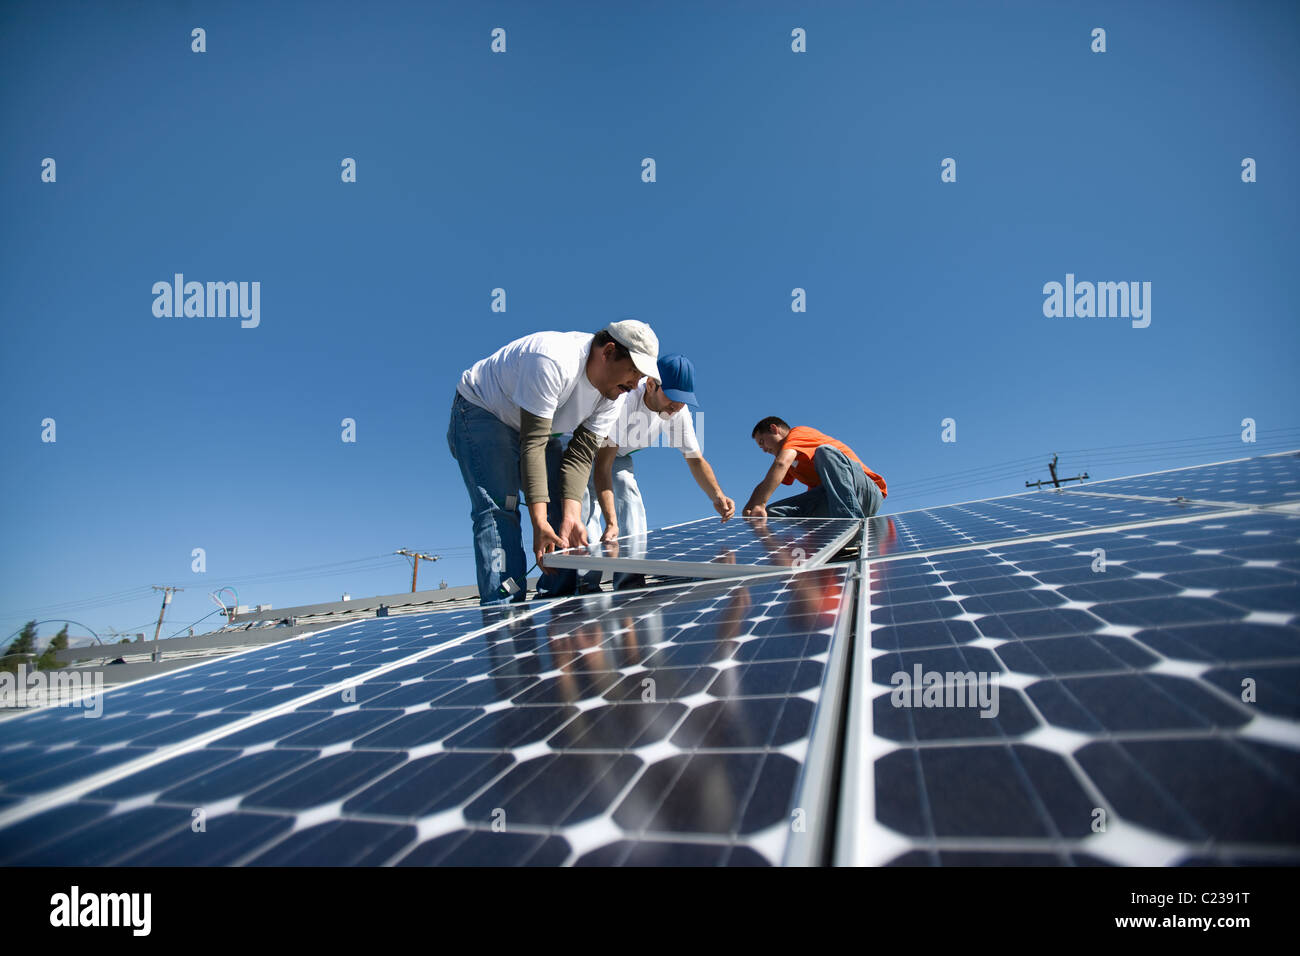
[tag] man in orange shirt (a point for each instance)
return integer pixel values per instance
(839, 484)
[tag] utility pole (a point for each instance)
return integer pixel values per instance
(415, 571)
(167, 599)
(1055, 482)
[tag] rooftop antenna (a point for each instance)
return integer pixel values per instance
(1055, 482)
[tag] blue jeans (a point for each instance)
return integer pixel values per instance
(629, 511)
(845, 491)
(487, 451)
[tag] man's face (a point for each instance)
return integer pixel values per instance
(769, 440)
(612, 377)
(658, 402)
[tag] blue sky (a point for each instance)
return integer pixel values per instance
(522, 170)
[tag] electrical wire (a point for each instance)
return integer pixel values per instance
(89, 603)
(199, 621)
(343, 566)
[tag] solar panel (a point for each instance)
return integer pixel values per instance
(1015, 516)
(1137, 659)
(708, 548)
(57, 747)
(693, 724)
(1141, 700)
(1267, 480)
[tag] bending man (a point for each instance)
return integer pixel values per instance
(655, 414)
(507, 409)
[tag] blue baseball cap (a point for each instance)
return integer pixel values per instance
(677, 378)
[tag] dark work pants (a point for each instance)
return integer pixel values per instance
(845, 491)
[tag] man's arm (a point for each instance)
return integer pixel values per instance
(702, 472)
(534, 433)
(756, 506)
(605, 490)
(575, 469)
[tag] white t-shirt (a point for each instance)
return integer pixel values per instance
(638, 427)
(545, 373)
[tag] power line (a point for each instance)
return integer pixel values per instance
(1235, 436)
(273, 575)
(106, 600)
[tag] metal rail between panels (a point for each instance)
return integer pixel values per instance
(818, 781)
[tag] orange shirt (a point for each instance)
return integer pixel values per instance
(805, 441)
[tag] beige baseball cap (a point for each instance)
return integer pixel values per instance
(639, 339)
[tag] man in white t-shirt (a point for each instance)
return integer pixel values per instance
(654, 415)
(508, 408)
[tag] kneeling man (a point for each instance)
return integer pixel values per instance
(839, 484)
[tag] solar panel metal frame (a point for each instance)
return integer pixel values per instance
(692, 569)
(819, 786)
(857, 796)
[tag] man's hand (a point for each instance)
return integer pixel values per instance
(573, 532)
(545, 540)
(724, 506)
(611, 546)
(753, 510)
(611, 534)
